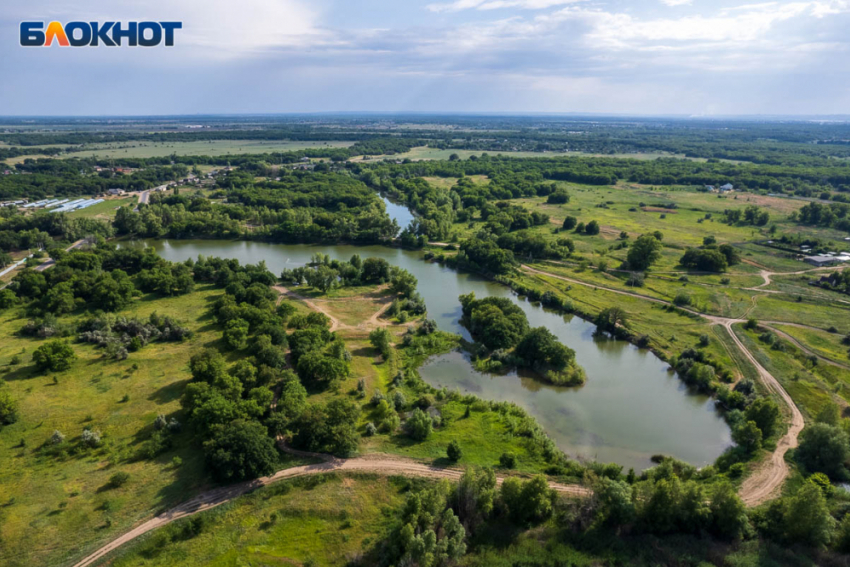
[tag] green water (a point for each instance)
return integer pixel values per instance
(630, 409)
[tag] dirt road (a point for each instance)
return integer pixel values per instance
(376, 464)
(766, 481)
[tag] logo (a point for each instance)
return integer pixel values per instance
(93, 34)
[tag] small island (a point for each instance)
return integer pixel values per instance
(503, 340)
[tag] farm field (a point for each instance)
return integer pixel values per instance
(209, 148)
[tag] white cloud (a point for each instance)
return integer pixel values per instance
(674, 3)
(459, 5)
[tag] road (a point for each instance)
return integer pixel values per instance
(376, 464)
(50, 261)
(766, 481)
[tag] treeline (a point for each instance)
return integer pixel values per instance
(45, 230)
(103, 278)
(67, 178)
(798, 180)
(834, 215)
(298, 208)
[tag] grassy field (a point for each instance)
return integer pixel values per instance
(810, 385)
(105, 210)
(320, 520)
(54, 508)
(208, 148)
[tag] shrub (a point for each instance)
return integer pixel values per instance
(119, 479)
(507, 460)
(453, 451)
(418, 425)
(370, 429)
(8, 408)
(54, 356)
(682, 298)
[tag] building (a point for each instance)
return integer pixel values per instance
(821, 261)
(709, 188)
(726, 188)
(115, 191)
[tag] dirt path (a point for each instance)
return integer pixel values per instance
(335, 323)
(373, 321)
(376, 464)
(768, 478)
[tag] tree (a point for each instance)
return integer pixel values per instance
(765, 413)
(591, 228)
(728, 513)
(610, 319)
(644, 252)
(569, 223)
(7, 298)
(54, 356)
(331, 428)
(59, 299)
(807, 519)
(207, 366)
(558, 197)
(824, 448)
(8, 407)
(616, 507)
(748, 436)
(236, 334)
(318, 369)
(539, 348)
(381, 339)
(529, 502)
(418, 425)
(375, 270)
(240, 450)
(402, 282)
(322, 278)
(706, 260)
(453, 451)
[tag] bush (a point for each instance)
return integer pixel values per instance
(453, 451)
(8, 408)
(418, 425)
(370, 429)
(507, 460)
(119, 479)
(682, 298)
(54, 356)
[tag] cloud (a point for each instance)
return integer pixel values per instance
(674, 3)
(459, 5)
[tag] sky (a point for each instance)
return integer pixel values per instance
(640, 57)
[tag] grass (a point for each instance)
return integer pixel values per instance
(57, 508)
(105, 210)
(208, 148)
(326, 519)
(826, 344)
(810, 386)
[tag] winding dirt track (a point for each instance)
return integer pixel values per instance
(767, 479)
(376, 464)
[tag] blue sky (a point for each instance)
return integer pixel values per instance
(695, 57)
